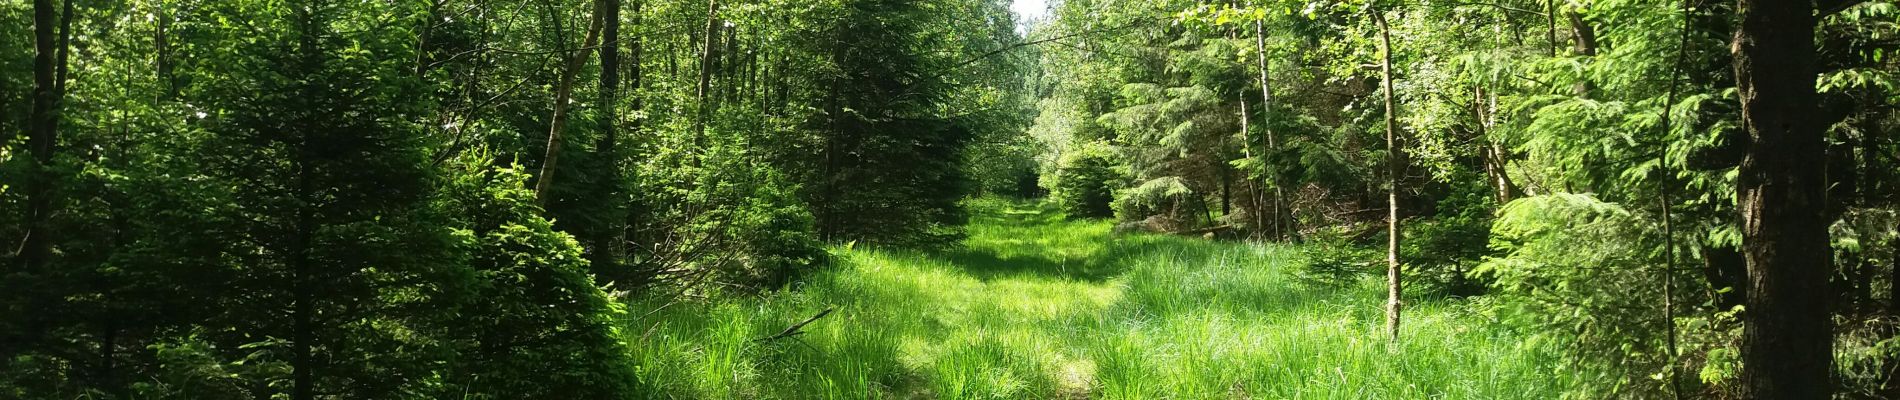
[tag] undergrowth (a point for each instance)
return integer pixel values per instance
(1037, 306)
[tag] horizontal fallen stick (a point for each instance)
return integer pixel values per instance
(796, 329)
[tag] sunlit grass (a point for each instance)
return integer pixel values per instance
(1037, 307)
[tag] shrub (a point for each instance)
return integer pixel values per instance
(1332, 259)
(1085, 181)
(1440, 251)
(1586, 274)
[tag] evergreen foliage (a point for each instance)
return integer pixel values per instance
(611, 199)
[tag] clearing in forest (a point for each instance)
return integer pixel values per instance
(1035, 306)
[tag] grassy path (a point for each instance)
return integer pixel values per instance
(1037, 307)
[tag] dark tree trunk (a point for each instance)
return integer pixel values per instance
(162, 42)
(1586, 39)
(753, 65)
(302, 291)
(1550, 25)
(49, 69)
(303, 285)
(708, 57)
(65, 50)
(1787, 341)
(604, 253)
(42, 133)
(1585, 44)
(609, 71)
(1226, 193)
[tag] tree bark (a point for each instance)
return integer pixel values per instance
(1393, 163)
(609, 77)
(635, 68)
(729, 69)
(303, 286)
(1586, 35)
(1281, 221)
(605, 253)
(1585, 45)
(42, 133)
(1495, 158)
(162, 44)
(65, 50)
(1256, 198)
(707, 58)
(563, 92)
(1550, 25)
(1787, 341)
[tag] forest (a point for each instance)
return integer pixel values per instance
(949, 199)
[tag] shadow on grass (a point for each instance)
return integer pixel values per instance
(1102, 255)
(988, 264)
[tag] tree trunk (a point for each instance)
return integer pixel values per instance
(753, 65)
(1281, 221)
(1585, 45)
(729, 69)
(707, 58)
(635, 68)
(1393, 163)
(65, 51)
(1586, 36)
(42, 133)
(563, 92)
(1495, 159)
(303, 290)
(1550, 25)
(604, 253)
(302, 285)
(1256, 198)
(162, 43)
(1226, 192)
(1787, 341)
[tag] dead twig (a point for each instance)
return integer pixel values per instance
(795, 329)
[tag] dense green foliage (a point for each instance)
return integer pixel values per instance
(448, 199)
(222, 199)
(1575, 162)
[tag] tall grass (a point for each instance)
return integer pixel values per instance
(1036, 307)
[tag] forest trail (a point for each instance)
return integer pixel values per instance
(1036, 306)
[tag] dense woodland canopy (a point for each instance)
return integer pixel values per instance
(212, 199)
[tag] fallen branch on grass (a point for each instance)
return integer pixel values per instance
(795, 329)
